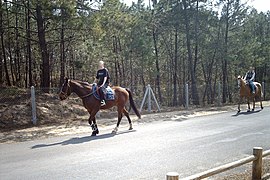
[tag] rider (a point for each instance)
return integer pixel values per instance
(103, 80)
(250, 77)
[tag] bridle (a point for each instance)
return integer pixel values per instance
(65, 94)
(240, 80)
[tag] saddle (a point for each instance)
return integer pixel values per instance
(108, 93)
(249, 85)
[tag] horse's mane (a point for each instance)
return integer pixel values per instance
(83, 84)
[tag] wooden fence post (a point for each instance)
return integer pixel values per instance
(172, 176)
(257, 164)
(33, 105)
(186, 95)
(149, 98)
(219, 94)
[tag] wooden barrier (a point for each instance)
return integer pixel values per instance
(257, 164)
(256, 158)
(172, 176)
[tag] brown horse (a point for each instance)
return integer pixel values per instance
(85, 92)
(245, 91)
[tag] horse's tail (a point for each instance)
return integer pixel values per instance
(133, 106)
(260, 88)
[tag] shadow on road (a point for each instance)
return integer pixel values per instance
(80, 140)
(246, 113)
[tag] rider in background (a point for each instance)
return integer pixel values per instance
(102, 80)
(250, 77)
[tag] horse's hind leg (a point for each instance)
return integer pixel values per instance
(261, 102)
(253, 104)
(129, 120)
(120, 116)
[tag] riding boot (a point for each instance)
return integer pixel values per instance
(103, 103)
(253, 88)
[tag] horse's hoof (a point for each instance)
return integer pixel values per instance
(114, 132)
(131, 128)
(261, 107)
(252, 109)
(238, 111)
(95, 132)
(248, 110)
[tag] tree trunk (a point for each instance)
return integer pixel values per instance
(116, 79)
(1, 67)
(3, 47)
(29, 53)
(62, 55)
(225, 58)
(196, 36)
(44, 53)
(175, 67)
(17, 48)
(9, 48)
(155, 36)
(194, 91)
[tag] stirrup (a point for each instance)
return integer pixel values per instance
(103, 103)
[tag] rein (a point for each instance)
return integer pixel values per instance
(82, 97)
(90, 94)
(65, 93)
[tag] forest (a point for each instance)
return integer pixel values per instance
(168, 44)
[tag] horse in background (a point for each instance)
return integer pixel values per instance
(92, 104)
(245, 92)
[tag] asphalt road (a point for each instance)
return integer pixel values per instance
(148, 152)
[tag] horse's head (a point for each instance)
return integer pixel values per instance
(65, 90)
(239, 79)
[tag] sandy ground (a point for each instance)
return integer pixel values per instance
(82, 126)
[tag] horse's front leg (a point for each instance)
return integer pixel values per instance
(248, 110)
(240, 100)
(94, 127)
(93, 124)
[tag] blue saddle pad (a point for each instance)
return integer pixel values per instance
(108, 94)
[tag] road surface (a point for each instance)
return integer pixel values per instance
(148, 152)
